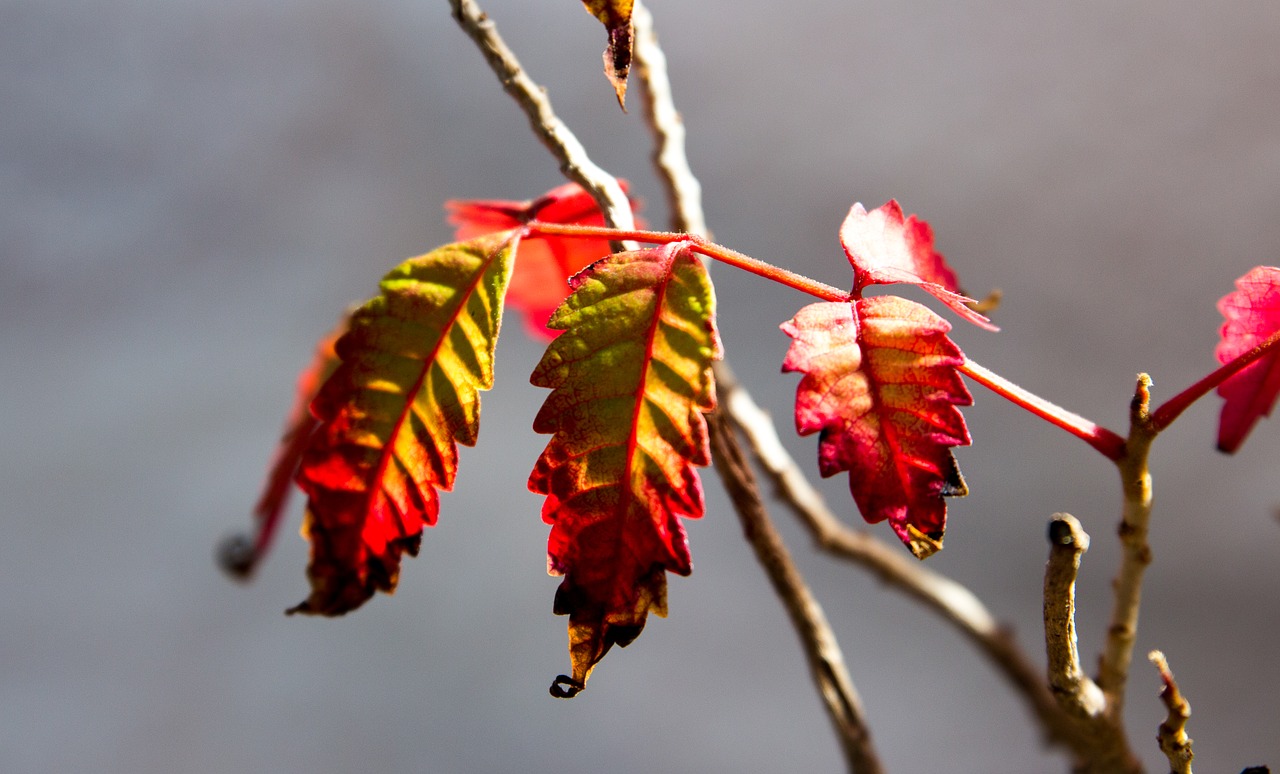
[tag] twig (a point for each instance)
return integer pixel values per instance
(532, 98)
(951, 600)
(1135, 478)
(826, 662)
(1172, 734)
(684, 192)
(1077, 694)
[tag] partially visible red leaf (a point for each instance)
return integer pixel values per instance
(615, 15)
(884, 249)
(240, 555)
(630, 380)
(544, 264)
(880, 384)
(1252, 315)
(391, 416)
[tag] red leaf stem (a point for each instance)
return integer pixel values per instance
(1172, 408)
(1109, 443)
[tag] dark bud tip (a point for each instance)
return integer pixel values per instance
(565, 687)
(1256, 770)
(236, 556)
(1060, 533)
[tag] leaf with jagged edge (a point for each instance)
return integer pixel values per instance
(1252, 315)
(880, 383)
(241, 554)
(392, 414)
(630, 380)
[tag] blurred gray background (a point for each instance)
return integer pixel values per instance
(191, 192)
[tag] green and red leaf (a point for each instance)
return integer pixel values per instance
(880, 385)
(544, 264)
(885, 248)
(391, 415)
(630, 380)
(1252, 315)
(615, 15)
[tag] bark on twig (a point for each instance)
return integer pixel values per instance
(1075, 692)
(684, 192)
(532, 98)
(826, 662)
(1172, 734)
(1135, 478)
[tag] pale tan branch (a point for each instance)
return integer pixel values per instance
(1135, 480)
(532, 98)
(1172, 734)
(684, 192)
(1075, 692)
(826, 662)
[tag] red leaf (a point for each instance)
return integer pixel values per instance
(1252, 315)
(885, 249)
(630, 380)
(880, 383)
(543, 264)
(391, 416)
(240, 555)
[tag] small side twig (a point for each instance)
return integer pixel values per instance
(532, 98)
(826, 662)
(1077, 694)
(1172, 734)
(1135, 479)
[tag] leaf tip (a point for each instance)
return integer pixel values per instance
(922, 545)
(236, 556)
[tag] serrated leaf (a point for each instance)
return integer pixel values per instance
(630, 380)
(241, 554)
(544, 264)
(392, 414)
(1252, 315)
(880, 385)
(615, 15)
(885, 248)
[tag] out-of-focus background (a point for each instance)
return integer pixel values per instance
(190, 193)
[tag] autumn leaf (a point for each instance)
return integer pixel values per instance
(544, 264)
(391, 415)
(240, 555)
(630, 380)
(1252, 315)
(615, 15)
(885, 249)
(880, 385)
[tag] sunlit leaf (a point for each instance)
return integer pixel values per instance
(885, 249)
(1252, 315)
(880, 385)
(630, 380)
(392, 414)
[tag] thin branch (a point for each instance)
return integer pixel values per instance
(1077, 694)
(951, 600)
(1172, 734)
(684, 192)
(1135, 479)
(532, 98)
(826, 662)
